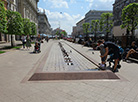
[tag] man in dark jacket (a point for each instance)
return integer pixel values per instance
(111, 48)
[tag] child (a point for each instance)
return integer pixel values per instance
(102, 51)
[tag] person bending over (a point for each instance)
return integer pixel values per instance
(102, 51)
(111, 48)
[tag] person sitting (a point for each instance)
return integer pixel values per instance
(37, 48)
(80, 41)
(132, 49)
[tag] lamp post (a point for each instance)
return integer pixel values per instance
(59, 20)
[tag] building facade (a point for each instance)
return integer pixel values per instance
(74, 31)
(94, 15)
(12, 5)
(43, 24)
(79, 27)
(117, 11)
(28, 9)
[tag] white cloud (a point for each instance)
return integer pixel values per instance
(40, 9)
(66, 20)
(106, 0)
(90, 3)
(72, 1)
(59, 4)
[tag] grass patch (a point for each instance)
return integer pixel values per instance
(9, 47)
(17, 47)
(32, 42)
(2, 52)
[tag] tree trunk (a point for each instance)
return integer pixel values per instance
(127, 34)
(106, 36)
(12, 41)
(133, 37)
(87, 37)
(95, 37)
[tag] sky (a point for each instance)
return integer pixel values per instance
(66, 13)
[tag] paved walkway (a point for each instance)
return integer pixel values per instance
(56, 62)
(15, 66)
(2, 45)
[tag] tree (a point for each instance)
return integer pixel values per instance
(27, 26)
(58, 33)
(86, 26)
(130, 18)
(33, 28)
(106, 23)
(95, 26)
(64, 33)
(14, 24)
(3, 21)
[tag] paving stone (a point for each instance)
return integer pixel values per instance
(17, 65)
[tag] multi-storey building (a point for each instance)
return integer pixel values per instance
(117, 11)
(74, 31)
(12, 5)
(9, 5)
(79, 27)
(43, 25)
(94, 15)
(28, 9)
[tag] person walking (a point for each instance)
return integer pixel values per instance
(28, 42)
(23, 38)
(39, 40)
(47, 38)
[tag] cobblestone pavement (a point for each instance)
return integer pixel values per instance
(56, 62)
(16, 65)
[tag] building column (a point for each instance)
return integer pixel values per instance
(21, 7)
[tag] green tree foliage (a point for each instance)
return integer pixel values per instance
(130, 17)
(33, 28)
(27, 26)
(64, 33)
(3, 20)
(86, 27)
(95, 26)
(14, 24)
(106, 23)
(58, 33)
